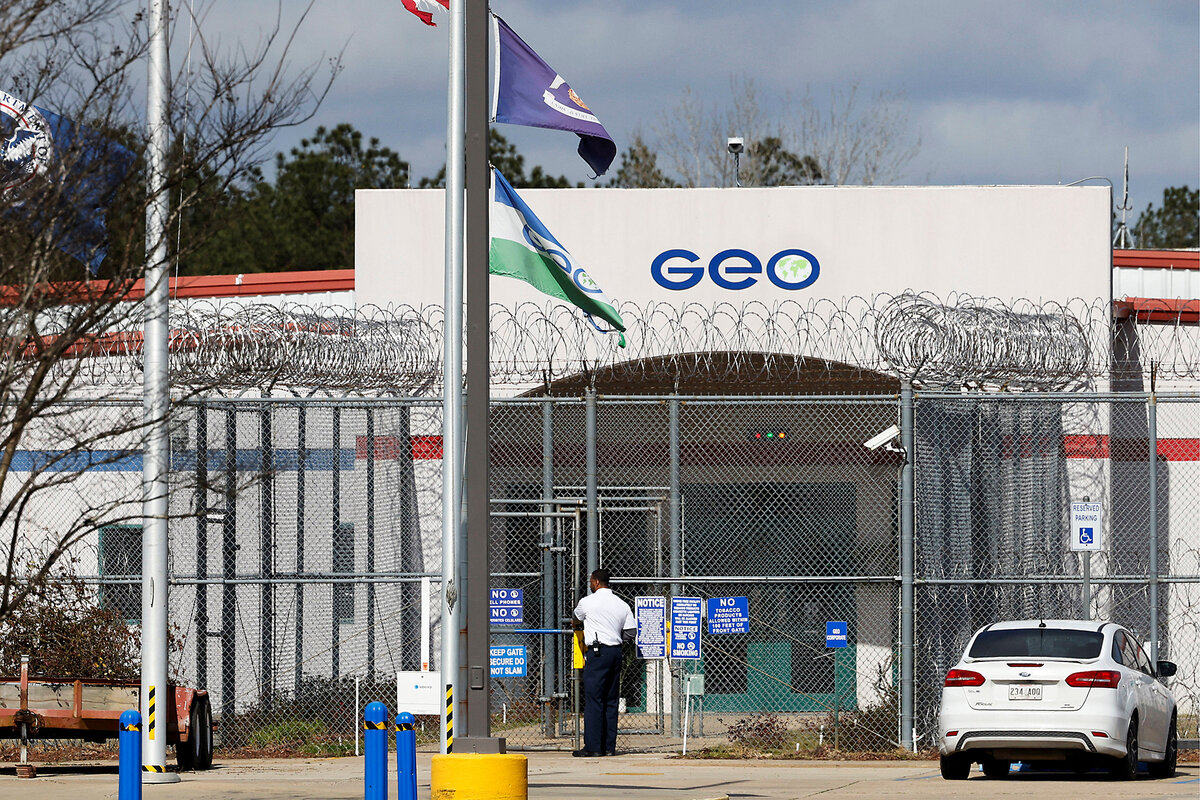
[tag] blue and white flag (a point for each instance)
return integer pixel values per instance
(524, 249)
(60, 177)
(528, 92)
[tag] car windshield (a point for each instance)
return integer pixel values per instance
(1037, 643)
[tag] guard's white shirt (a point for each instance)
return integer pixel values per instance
(604, 616)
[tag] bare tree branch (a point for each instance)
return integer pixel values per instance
(847, 140)
(83, 61)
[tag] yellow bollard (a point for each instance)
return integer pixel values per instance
(479, 776)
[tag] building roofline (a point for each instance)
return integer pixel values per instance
(1157, 259)
(214, 286)
(1154, 309)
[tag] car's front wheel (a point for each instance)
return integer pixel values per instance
(955, 767)
(1124, 768)
(995, 768)
(1166, 767)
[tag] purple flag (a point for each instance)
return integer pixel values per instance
(528, 92)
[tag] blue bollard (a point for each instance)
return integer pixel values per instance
(129, 756)
(406, 756)
(375, 742)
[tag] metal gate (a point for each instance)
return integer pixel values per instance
(552, 585)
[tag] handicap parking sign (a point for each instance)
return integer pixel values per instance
(1087, 526)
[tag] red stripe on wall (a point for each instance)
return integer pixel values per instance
(388, 448)
(1074, 446)
(1170, 449)
(426, 447)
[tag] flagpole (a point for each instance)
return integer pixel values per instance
(477, 242)
(452, 385)
(156, 698)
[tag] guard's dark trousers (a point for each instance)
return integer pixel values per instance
(601, 692)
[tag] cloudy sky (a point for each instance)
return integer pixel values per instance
(1015, 92)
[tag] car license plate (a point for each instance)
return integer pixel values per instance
(1025, 691)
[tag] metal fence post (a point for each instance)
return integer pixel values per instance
(1152, 490)
(202, 543)
(907, 631)
(549, 620)
(335, 634)
(371, 542)
(229, 548)
(593, 528)
(266, 555)
(676, 540)
(1086, 592)
(301, 468)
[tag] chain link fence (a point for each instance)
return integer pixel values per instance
(306, 556)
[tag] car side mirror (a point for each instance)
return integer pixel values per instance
(1167, 668)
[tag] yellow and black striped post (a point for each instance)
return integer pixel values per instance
(150, 714)
(449, 718)
(150, 732)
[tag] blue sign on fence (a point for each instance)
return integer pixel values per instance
(685, 627)
(651, 614)
(728, 615)
(508, 662)
(836, 634)
(507, 606)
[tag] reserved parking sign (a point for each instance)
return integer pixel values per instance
(1087, 526)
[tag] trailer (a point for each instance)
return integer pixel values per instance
(66, 708)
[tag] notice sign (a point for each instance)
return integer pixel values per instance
(685, 627)
(1087, 525)
(651, 614)
(419, 692)
(728, 615)
(836, 634)
(508, 662)
(507, 606)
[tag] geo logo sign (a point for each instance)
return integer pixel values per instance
(735, 269)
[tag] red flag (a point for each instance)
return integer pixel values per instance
(424, 9)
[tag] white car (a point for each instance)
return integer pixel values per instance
(1079, 693)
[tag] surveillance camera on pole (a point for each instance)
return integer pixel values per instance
(736, 145)
(884, 437)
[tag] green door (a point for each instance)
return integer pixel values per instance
(776, 529)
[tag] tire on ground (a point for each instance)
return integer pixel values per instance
(955, 767)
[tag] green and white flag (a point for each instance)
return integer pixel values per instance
(522, 248)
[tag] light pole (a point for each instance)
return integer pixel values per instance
(735, 145)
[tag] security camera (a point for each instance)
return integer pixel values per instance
(735, 144)
(880, 439)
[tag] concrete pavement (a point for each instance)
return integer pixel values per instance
(558, 776)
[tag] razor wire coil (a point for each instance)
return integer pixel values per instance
(939, 342)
